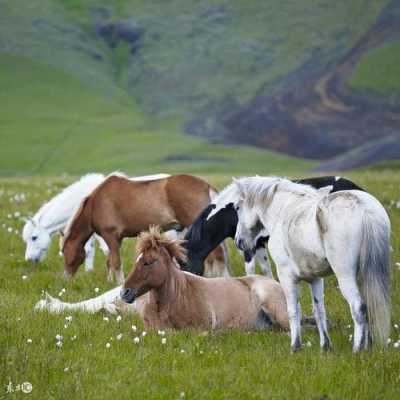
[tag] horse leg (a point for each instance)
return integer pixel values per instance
(90, 251)
(102, 244)
(114, 259)
(290, 288)
(262, 257)
(317, 292)
(249, 263)
(348, 287)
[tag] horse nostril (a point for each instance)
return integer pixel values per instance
(125, 293)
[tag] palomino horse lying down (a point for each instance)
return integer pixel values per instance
(166, 297)
(120, 207)
(181, 300)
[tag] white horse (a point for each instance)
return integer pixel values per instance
(313, 234)
(53, 217)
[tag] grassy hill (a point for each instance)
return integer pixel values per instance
(52, 123)
(103, 85)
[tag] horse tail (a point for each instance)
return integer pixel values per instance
(375, 274)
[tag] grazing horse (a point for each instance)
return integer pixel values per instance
(120, 208)
(181, 300)
(313, 234)
(219, 219)
(53, 217)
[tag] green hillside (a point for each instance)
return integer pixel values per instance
(96, 84)
(52, 123)
(378, 72)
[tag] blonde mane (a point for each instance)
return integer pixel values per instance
(153, 239)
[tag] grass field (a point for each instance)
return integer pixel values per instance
(191, 365)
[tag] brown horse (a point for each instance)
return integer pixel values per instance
(120, 207)
(178, 299)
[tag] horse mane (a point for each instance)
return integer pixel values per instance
(153, 239)
(64, 196)
(261, 189)
(195, 232)
(75, 217)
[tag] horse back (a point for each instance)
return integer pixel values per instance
(188, 196)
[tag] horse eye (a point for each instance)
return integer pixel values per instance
(34, 238)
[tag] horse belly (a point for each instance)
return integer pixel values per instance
(237, 309)
(307, 251)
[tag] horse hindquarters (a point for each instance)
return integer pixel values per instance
(366, 251)
(271, 299)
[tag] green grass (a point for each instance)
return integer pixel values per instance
(378, 72)
(215, 365)
(51, 123)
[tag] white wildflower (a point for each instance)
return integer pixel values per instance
(96, 290)
(119, 336)
(69, 318)
(106, 319)
(66, 369)
(389, 340)
(397, 345)
(308, 344)
(183, 351)
(108, 345)
(24, 277)
(163, 340)
(59, 344)
(59, 337)
(119, 318)
(144, 333)
(134, 328)
(29, 341)
(136, 340)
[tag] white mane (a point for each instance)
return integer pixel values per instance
(230, 194)
(59, 207)
(260, 188)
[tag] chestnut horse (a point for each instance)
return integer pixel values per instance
(120, 207)
(181, 300)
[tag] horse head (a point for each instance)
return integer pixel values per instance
(37, 239)
(157, 257)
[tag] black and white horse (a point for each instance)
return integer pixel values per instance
(219, 220)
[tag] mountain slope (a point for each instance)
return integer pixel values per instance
(52, 123)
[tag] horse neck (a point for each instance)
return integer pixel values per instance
(55, 214)
(279, 206)
(172, 289)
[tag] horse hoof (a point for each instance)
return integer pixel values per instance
(296, 348)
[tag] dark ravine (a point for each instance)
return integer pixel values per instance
(313, 114)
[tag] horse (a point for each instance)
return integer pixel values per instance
(178, 299)
(54, 215)
(314, 234)
(120, 207)
(219, 220)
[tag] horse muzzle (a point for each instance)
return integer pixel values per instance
(128, 295)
